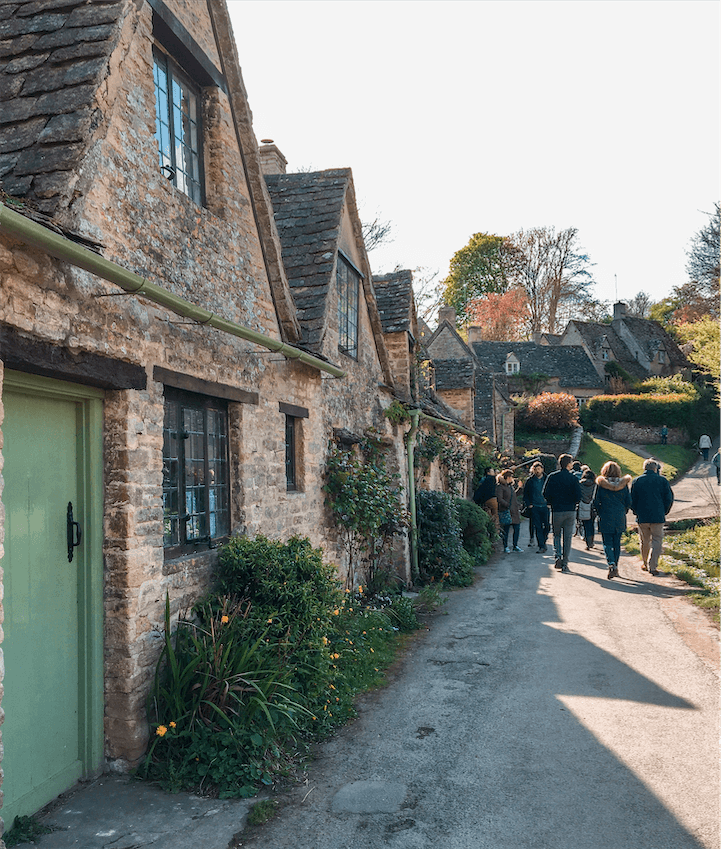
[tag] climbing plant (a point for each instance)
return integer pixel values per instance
(452, 453)
(365, 500)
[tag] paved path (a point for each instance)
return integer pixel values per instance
(546, 710)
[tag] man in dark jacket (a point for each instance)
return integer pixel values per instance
(562, 491)
(651, 499)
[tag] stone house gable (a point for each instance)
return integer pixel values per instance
(602, 345)
(651, 346)
(320, 233)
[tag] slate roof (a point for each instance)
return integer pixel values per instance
(651, 336)
(454, 374)
(593, 333)
(307, 210)
(53, 56)
(394, 296)
(569, 363)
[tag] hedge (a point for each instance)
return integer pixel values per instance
(674, 410)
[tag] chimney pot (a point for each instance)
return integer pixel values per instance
(619, 309)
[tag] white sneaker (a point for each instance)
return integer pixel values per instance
(507, 550)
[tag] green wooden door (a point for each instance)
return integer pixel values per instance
(50, 733)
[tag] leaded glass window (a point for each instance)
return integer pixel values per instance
(196, 500)
(348, 285)
(177, 126)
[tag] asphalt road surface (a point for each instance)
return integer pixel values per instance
(544, 710)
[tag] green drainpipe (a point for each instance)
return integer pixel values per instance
(415, 415)
(31, 233)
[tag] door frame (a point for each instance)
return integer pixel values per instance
(89, 453)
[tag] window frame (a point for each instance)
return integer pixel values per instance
(291, 453)
(348, 303)
(512, 367)
(180, 400)
(183, 182)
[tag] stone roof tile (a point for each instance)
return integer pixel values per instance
(394, 296)
(569, 363)
(307, 209)
(57, 53)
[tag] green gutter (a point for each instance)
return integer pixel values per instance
(31, 233)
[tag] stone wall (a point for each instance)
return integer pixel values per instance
(211, 256)
(636, 434)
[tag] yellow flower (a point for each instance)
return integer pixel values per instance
(224, 619)
(270, 620)
(360, 590)
(373, 651)
(331, 686)
(336, 612)
(172, 724)
(161, 731)
(325, 641)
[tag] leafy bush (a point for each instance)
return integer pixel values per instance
(550, 411)
(441, 555)
(674, 385)
(275, 660)
(366, 503)
(477, 530)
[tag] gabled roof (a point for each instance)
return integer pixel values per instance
(454, 374)
(308, 208)
(595, 334)
(651, 336)
(394, 296)
(308, 211)
(53, 57)
(569, 363)
(453, 342)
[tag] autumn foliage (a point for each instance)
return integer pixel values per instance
(502, 316)
(551, 411)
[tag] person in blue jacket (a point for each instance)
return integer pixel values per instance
(651, 499)
(611, 502)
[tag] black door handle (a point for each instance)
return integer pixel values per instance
(74, 534)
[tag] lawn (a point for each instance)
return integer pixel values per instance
(595, 452)
(676, 459)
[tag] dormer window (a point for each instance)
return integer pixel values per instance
(661, 356)
(512, 364)
(348, 280)
(604, 354)
(178, 126)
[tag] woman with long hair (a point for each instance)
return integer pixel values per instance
(612, 501)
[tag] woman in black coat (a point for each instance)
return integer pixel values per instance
(611, 502)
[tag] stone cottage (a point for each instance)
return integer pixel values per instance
(640, 346)
(183, 331)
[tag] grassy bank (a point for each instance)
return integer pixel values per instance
(676, 459)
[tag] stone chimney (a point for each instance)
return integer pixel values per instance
(447, 314)
(537, 337)
(475, 334)
(619, 310)
(272, 160)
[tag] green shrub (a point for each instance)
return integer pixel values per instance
(550, 411)
(441, 555)
(673, 385)
(477, 530)
(675, 410)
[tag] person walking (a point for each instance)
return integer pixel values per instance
(611, 501)
(485, 495)
(704, 443)
(651, 499)
(562, 492)
(664, 434)
(586, 513)
(509, 513)
(533, 498)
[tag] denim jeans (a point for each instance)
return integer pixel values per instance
(564, 524)
(612, 547)
(516, 533)
(541, 525)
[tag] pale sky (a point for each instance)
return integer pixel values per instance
(496, 115)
